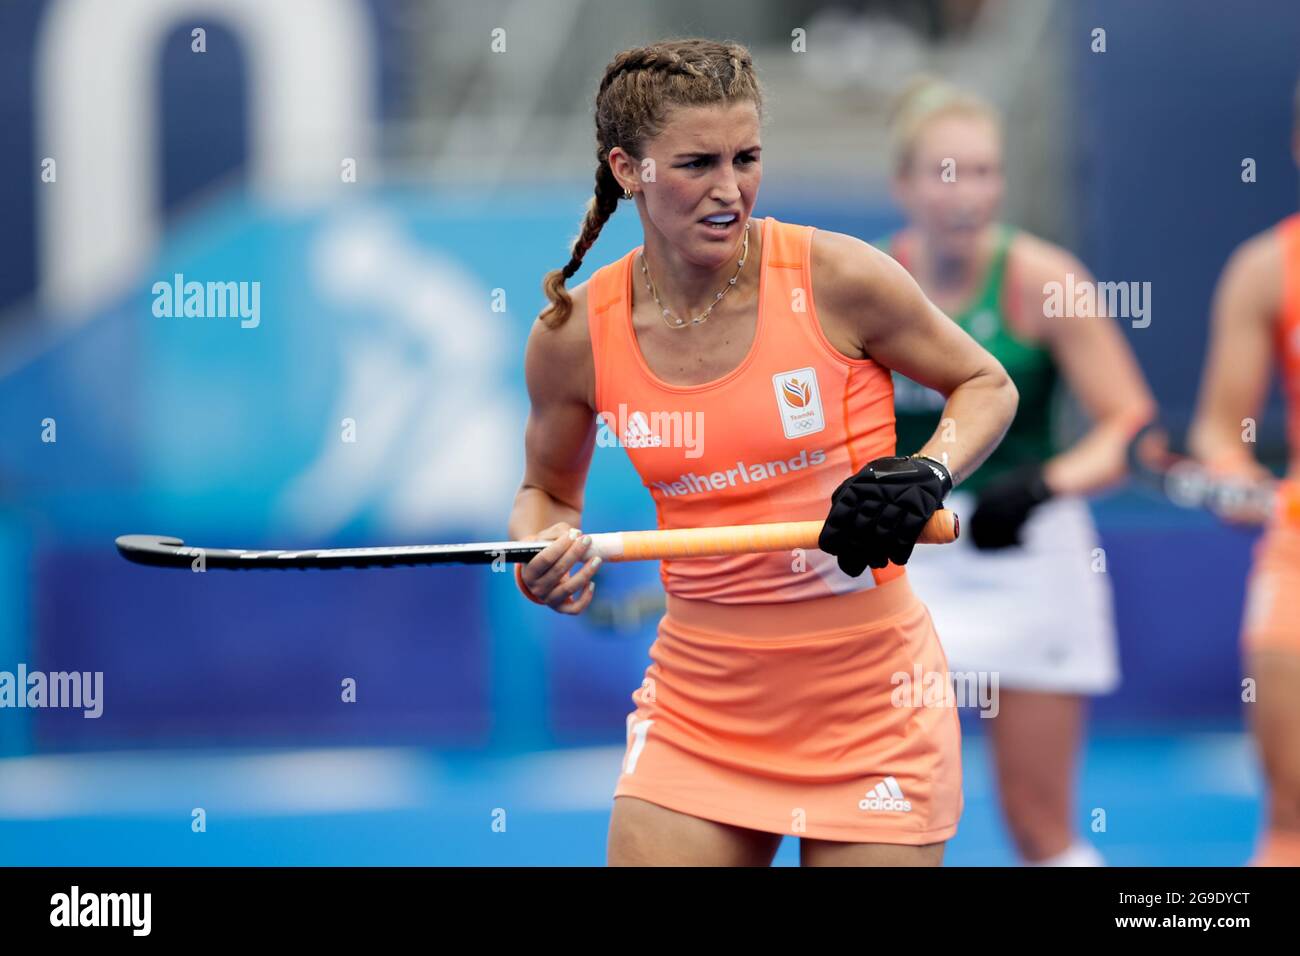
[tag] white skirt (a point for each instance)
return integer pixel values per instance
(1040, 615)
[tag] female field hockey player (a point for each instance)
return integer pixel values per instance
(1256, 324)
(1020, 598)
(767, 707)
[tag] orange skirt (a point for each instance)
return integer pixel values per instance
(792, 719)
(1272, 615)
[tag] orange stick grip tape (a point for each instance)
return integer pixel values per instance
(942, 528)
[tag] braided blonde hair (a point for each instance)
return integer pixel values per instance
(638, 89)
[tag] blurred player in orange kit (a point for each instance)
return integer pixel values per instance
(1257, 326)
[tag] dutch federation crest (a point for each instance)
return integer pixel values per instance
(799, 401)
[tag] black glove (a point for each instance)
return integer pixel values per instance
(1002, 508)
(877, 514)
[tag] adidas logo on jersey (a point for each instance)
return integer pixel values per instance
(887, 795)
(639, 434)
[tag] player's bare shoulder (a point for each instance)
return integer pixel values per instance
(1041, 258)
(1252, 280)
(558, 362)
(846, 271)
(1038, 269)
(853, 283)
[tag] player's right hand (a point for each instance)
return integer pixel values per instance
(1003, 506)
(549, 575)
(1242, 497)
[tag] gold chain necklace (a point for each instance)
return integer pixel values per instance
(680, 322)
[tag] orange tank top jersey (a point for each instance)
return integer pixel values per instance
(769, 441)
(1288, 334)
(1272, 613)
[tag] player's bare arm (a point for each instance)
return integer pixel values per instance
(871, 307)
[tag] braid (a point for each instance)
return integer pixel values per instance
(635, 93)
(741, 65)
(599, 208)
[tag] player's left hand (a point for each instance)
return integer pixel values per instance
(877, 514)
(1004, 506)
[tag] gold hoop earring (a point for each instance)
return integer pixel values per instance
(627, 194)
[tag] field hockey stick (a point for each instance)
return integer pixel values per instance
(1189, 483)
(166, 552)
